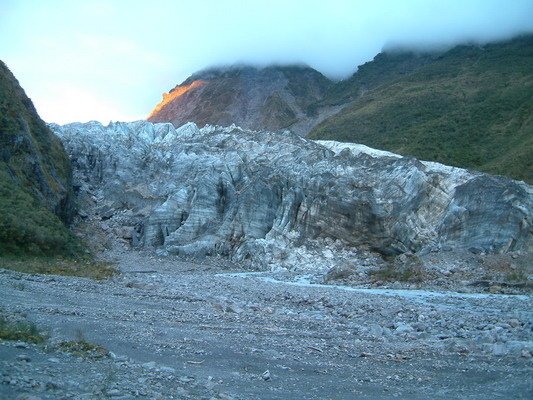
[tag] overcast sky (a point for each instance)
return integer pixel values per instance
(112, 60)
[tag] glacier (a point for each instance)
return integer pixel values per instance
(277, 198)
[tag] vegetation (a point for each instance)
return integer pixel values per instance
(402, 268)
(393, 274)
(35, 180)
(22, 331)
(27, 227)
(516, 276)
(83, 267)
(470, 107)
(28, 332)
(85, 349)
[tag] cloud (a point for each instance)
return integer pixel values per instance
(128, 52)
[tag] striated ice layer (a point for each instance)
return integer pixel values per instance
(254, 195)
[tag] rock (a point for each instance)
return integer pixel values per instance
(224, 396)
(499, 349)
(375, 330)
(403, 328)
(210, 384)
(114, 393)
(186, 379)
(125, 232)
(23, 357)
(514, 323)
(149, 365)
(116, 357)
(339, 272)
(266, 375)
(161, 253)
(21, 345)
(27, 397)
(274, 98)
(255, 195)
(52, 385)
(526, 353)
(495, 289)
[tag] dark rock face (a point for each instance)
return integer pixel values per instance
(271, 98)
(250, 194)
(35, 176)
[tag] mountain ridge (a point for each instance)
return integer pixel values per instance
(276, 97)
(468, 106)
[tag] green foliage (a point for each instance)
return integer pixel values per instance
(22, 331)
(35, 179)
(470, 107)
(516, 276)
(28, 227)
(278, 112)
(85, 349)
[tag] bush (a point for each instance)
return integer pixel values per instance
(23, 331)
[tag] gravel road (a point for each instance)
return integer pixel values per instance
(179, 329)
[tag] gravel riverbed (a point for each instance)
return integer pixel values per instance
(177, 329)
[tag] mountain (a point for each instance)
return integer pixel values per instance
(471, 106)
(259, 195)
(35, 178)
(274, 98)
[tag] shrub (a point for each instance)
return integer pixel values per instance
(23, 331)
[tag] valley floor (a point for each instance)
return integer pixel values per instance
(177, 329)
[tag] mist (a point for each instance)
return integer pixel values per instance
(112, 60)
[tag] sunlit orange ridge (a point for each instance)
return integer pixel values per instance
(174, 94)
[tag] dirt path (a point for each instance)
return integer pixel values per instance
(183, 330)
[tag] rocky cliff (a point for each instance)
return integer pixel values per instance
(35, 176)
(252, 195)
(271, 98)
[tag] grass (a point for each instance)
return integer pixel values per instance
(470, 107)
(28, 332)
(85, 268)
(85, 349)
(20, 331)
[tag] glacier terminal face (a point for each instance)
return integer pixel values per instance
(233, 192)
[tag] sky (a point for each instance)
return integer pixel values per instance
(112, 60)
